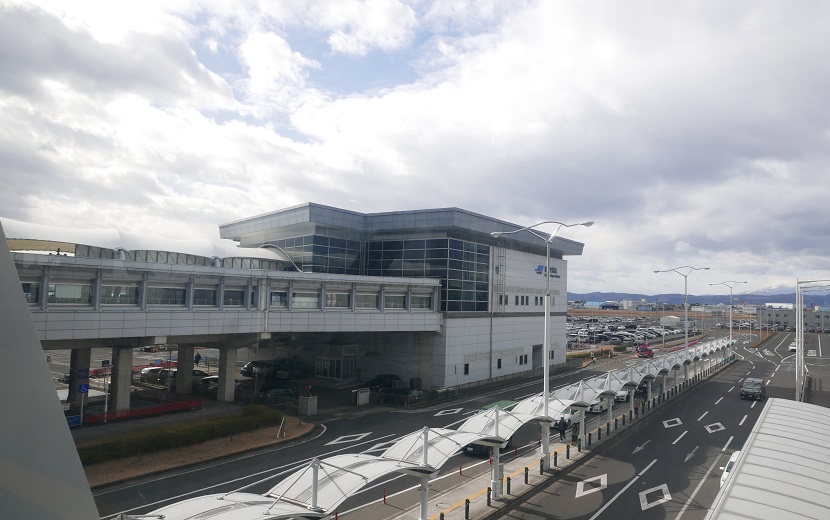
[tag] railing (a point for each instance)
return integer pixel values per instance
(134, 413)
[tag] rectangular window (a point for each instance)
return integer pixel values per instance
(119, 295)
(466, 369)
(421, 302)
(234, 297)
(70, 293)
(338, 300)
(367, 301)
(279, 299)
(306, 300)
(517, 299)
(31, 291)
(498, 363)
(206, 297)
(166, 295)
(394, 301)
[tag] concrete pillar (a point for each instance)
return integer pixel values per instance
(184, 372)
(685, 372)
(227, 374)
(495, 478)
(424, 498)
(631, 400)
(79, 359)
(544, 450)
(122, 378)
(663, 385)
(649, 390)
(610, 409)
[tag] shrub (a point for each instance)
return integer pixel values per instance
(251, 418)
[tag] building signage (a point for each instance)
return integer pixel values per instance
(540, 269)
(83, 373)
(83, 389)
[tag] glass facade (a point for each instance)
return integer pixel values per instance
(462, 266)
(70, 293)
(119, 294)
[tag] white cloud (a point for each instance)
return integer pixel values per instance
(693, 133)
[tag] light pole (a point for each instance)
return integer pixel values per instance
(730, 284)
(545, 346)
(685, 295)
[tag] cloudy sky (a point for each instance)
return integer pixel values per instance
(692, 132)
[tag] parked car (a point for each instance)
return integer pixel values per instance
(283, 368)
(150, 374)
(793, 347)
(170, 373)
(598, 405)
(401, 396)
(622, 395)
(210, 384)
(382, 381)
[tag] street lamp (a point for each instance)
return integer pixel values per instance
(545, 346)
(730, 284)
(685, 295)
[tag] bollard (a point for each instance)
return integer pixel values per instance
(541, 466)
(527, 474)
(441, 516)
(579, 446)
(623, 422)
(630, 416)
(589, 439)
(555, 453)
(608, 427)
(384, 495)
(615, 422)
(508, 485)
(466, 509)
(489, 493)
(335, 514)
(599, 435)
(459, 470)
(568, 451)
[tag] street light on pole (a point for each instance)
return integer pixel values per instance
(545, 340)
(685, 295)
(730, 284)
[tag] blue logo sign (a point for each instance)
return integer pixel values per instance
(73, 420)
(83, 389)
(83, 373)
(540, 269)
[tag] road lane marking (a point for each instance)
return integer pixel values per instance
(732, 388)
(727, 444)
(355, 437)
(719, 400)
(663, 488)
(714, 427)
(681, 436)
(691, 454)
(642, 447)
(623, 490)
(580, 486)
(671, 423)
(742, 421)
(450, 411)
(753, 404)
(697, 488)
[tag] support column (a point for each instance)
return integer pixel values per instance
(685, 373)
(424, 498)
(649, 390)
(631, 400)
(676, 370)
(79, 358)
(544, 451)
(227, 374)
(663, 386)
(495, 480)
(122, 378)
(610, 410)
(582, 427)
(184, 371)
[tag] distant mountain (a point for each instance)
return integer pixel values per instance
(810, 298)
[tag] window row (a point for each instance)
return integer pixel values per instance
(343, 300)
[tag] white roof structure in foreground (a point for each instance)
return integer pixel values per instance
(115, 240)
(782, 471)
(316, 490)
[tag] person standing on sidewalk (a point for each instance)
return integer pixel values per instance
(562, 427)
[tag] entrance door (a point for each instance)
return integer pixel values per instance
(537, 356)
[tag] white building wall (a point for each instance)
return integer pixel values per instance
(467, 340)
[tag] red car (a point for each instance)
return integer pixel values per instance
(644, 351)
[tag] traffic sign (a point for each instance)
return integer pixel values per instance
(83, 373)
(83, 389)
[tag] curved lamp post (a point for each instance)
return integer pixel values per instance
(548, 238)
(685, 295)
(730, 284)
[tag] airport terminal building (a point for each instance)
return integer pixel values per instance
(490, 298)
(429, 295)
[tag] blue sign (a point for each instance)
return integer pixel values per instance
(540, 269)
(73, 420)
(83, 373)
(83, 389)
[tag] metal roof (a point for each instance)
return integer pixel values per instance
(782, 471)
(115, 239)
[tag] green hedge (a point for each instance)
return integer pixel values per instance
(252, 417)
